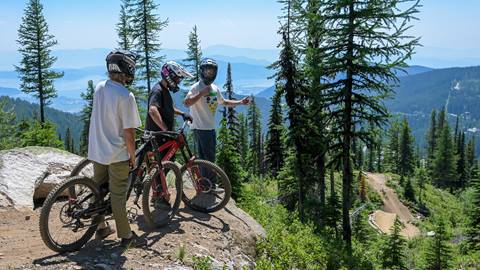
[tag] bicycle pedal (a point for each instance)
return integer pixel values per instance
(132, 214)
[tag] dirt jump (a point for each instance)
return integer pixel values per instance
(383, 220)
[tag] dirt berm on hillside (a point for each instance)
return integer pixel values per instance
(392, 207)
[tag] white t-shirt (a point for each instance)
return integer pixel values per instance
(203, 111)
(114, 109)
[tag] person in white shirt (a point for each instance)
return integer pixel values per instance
(111, 141)
(203, 99)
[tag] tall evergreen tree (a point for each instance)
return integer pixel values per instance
(194, 56)
(393, 148)
(243, 139)
(438, 254)
(357, 47)
(461, 162)
(406, 157)
(35, 69)
(442, 120)
(474, 217)
(146, 26)
(86, 113)
(431, 139)
(68, 140)
(124, 26)
(421, 176)
(7, 126)
(254, 132)
(393, 256)
(287, 76)
(379, 155)
(274, 146)
(456, 132)
(232, 120)
(470, 159)
(228, 158)
(444, 173)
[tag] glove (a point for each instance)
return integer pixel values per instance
(187, 117)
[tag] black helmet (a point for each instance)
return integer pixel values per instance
(121, 61)
(208, 70)
(173, 74)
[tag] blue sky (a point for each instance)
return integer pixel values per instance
(86, 24)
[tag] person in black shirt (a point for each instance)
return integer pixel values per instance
(161, 110)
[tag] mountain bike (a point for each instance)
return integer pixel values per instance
(79, 202)
(206, 187)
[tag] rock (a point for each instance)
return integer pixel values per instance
(31, 172)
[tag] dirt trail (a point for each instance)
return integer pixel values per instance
(392, 206)
(227, 236)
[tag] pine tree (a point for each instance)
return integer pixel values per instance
(86, 113)
(461, 162)
(470, 159)
(356, 46)
(254, 132)
(406, 158)
(146, 26)
(421, 176)
(409, 192)
(124, 27)
(126, 42)
(474, 217)
(393, 256)
(274, 146)
(194, 56)
(243, 139)
(228, 159)
(442, 120)
(33, 133)
(7, 126)
(232, 120)
(456, 132)
(438, 253)
(444, 173)
(431, 139)
(68, 140)
(393, 148)
(35, 69)
(287, 77)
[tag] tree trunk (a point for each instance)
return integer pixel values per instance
(347, 139)
(145, 44)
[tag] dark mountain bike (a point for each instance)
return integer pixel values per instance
(206, 187)
(72, 210)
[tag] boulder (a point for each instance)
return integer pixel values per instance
(30, 173)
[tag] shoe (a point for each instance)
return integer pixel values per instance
(160, 203)
(103, 233)
(133, 242)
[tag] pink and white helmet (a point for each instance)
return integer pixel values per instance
(173, 73)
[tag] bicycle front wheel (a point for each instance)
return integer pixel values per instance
(162, 195)
(67, 220)
(206, 187)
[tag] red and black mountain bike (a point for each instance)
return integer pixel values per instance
(206, 187)
(70, 213)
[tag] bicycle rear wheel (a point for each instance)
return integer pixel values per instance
(65, 222)
(158, 207)
(206, 187)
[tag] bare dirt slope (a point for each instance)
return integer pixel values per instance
(392, 206)
(228, 236)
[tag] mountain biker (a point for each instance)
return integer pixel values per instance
(203, 99)
(111, 144)
(161, 110)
